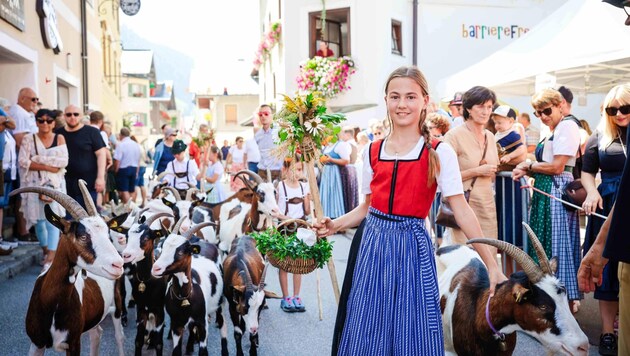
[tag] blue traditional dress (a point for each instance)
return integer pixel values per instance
(390, 301)
(331, 186)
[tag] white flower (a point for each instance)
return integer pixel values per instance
(307, 236)
(314, 126)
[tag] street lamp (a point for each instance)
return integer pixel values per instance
(128, 7)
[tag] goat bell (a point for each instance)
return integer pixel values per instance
(185, 302)
(141, 287)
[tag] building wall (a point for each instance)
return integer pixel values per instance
(131, 105)
(111, 104)
(25, 62)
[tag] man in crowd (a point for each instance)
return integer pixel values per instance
(456, 110)
(126, 165)
(532, 134)
(87, 155)
(225, 150)
(266, 139)
(253, 154)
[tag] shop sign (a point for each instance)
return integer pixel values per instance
(12, 11)
(48, 25)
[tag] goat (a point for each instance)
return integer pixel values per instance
(237, 218)
(533, 301)
(194, 290)
(63, 304)
(148, 292)
(244, 283)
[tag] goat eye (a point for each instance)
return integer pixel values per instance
(82, 238)
(543, 307)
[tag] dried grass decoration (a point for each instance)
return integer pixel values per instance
(204, 140)
(305, 127)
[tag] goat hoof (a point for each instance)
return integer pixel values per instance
(124, 321)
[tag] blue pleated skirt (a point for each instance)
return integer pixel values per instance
(393, 305)
(331, 191)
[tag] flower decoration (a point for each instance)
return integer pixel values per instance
(203, 140)
(305, 126)
(267, 43)
(329, 76)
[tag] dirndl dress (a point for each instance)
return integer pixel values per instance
(330, 188)
(348, 174)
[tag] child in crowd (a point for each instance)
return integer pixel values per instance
(294, 202)
(213, 185)
(438, 125)
(510, 138)
(183, 172)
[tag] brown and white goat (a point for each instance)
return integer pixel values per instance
(244, 287)
(237, 218)
(533, 301)
(66, 301)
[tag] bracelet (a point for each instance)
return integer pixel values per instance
(530, 166)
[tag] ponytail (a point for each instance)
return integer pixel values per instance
(434, 159)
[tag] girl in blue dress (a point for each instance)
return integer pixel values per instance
(390, 301)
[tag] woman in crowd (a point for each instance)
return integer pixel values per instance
(478, 159)
(556, 227)
(213, 175)
(237, 161)
(164, 152)
(348, 172)
(362, 142)
(437, 125)
(605, 152)
(42, 161)
(331, 186)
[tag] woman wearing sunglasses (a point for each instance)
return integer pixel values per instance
(556, 227)
(42, 160)
(606, 153)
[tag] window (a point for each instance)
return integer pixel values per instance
(203, 103)
(336, 31)
(137, 90)
(138, 119)
(230, 114)
(396, 37)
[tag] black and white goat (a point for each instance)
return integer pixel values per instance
(77, 292)
(194, 291)
(533, 301)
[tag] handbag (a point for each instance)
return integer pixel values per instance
(574, 193)
(445, 215)
(42, 197)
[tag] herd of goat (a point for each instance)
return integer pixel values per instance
(192, 260)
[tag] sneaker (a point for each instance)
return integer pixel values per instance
(287, 305)
(5, 250)
(608, 344)
(7, 244)
(297, 304)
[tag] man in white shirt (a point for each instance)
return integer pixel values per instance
(126, 165)
(266, 139)
(24, 115)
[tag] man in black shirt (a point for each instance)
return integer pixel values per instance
(87, 155)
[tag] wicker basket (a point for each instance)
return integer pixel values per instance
(289, 264)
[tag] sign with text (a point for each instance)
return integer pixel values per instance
(12, 11)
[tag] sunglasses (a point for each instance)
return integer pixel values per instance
(34, 100)
(545, 112)
(263, 114)
(611, 111)
(48, 121)
(70, 114)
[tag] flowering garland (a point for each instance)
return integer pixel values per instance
(268, 42)
(329, 76)
(304, 125)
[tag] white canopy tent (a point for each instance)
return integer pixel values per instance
(584, 44)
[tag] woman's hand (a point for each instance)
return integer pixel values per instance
(518, 173)
(323, 159)
(52, 169)
(592, 202)
(487, 170)
(496, 277)
(324, 227)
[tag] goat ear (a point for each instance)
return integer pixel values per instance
(553, 263)
(196, 202)
(168, 203)
(239, 289)
(195, 249)
(520, 293)
(271, 295)
(120, 229)
(155, 234)
(56, 220)
(116, 221)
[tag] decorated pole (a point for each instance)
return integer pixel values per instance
(303, 127)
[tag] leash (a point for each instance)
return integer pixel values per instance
(560, 200)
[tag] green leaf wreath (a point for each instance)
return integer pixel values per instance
(289, 246)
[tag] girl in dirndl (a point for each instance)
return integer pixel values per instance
(212, 179)
(556, 227)
(390, 300)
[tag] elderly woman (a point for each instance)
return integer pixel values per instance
(605, 152)
(478, 160)
(556, 227)
(42, 161)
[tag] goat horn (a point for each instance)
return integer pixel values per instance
(253, 175)
(154, 217)
(190, 192)
(193, 230)
(75, 209)
(191, 185)
(248, 278)
(261, 284)
(531, 269)
(87, 198)
(161, 176)
(142, 211)
(175, 192)
(178, 225)
(543, 261)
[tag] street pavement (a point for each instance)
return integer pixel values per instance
(280, 333)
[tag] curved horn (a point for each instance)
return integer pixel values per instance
(161, 176)
(142, 211)
(190, 192)
(154, 217)
(87, 198)
(261, 284)
(543, 260)
(193, 230)
(75, 209)
(531, 269)
(178, 225)
(245, 271)
(174, 191)
(191, 185)
(253, 175)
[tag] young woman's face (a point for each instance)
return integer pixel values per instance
(405, 101)
(620, 119)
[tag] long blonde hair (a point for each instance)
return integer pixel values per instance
(416, 75)
(607, 127)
